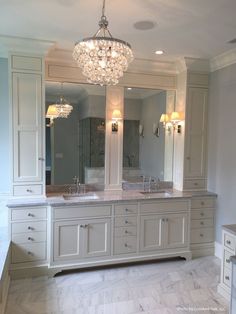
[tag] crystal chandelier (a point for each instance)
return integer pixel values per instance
(103, 59)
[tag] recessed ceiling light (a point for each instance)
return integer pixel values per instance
(159, 52)
(144, 25)
(129, 88)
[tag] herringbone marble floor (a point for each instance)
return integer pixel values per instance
(163, 287)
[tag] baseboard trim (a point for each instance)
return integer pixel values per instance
(21, 273)
(218, 250)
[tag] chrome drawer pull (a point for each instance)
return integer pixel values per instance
(30, 239)
(228, 242)
(29, 191)
(30, 228)
(30, 215)
(228, 261)
(227, 277)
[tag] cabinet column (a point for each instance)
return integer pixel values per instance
(114, 140)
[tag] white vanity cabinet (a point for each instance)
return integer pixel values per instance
(80, 232)
(168, 229)
(28, 233)
(27, 98)
(196, 132)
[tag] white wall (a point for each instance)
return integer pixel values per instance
(222, 145)
(4, 129)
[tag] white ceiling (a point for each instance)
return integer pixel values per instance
(193, 28)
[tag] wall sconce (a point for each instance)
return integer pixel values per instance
(140, 130)
(175, 119)
(155, 129)
(116, 116)
(165, 120)
(52, 114)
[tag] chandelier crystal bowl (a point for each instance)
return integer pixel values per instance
(103, 58)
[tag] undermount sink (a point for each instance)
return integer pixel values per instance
(80, 197)
(158, 193)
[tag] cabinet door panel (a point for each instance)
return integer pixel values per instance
(196, 133)
(176, 231)
(67, 240)
(27, 117)
(96, 237)
(151, 233)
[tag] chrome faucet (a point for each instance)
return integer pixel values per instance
(154, 181)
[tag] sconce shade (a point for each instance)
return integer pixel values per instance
(175, 117)
(116, 115)
(52, 112)
(164, 118)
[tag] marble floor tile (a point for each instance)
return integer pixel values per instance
(162, 287)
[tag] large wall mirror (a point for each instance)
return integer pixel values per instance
(147, 145)
(75, 146)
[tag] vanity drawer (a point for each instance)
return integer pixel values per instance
(202, 235)
(203, 203)
(29, 237)
(125, 245)
(229, 241)
(125, 221)
(27, 190)
(194, 184)
(28, 252)
(227, 276)
(201, 223)
(126, 209)
(31, 226)
(202, 214)
(29, 213)
(227, 261)
(155, 207)
(125, 231)
(81, 212)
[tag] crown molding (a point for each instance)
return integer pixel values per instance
(24, 45)
(63, 56)
(223, 60)
(193, 64)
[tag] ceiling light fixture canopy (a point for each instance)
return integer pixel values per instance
(103, 58)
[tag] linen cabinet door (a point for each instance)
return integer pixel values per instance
(151, 232)
(97, 235)
(176, 231)
(27, 122)
(196, 128)
(67, 241)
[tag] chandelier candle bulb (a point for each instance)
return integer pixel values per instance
(103, 58)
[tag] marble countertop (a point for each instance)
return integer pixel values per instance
(55, 199)
(230, 228)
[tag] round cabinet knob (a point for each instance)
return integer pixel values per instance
(195, 183)
(227, 277)
(81, 226)
(126, 210)
(126, 231)
(41, 159)
(30, 228)
(202, 203)
(167, 219)
(30, 253)
(126, 222)
(202, 223)
(228, 242)
(30, 239)
(202, 214)
(163, 220)
(188, 158)
(201, 235)
(30, 215)
(86, 226)
(126, 245)
(227, 261)
(29, 191)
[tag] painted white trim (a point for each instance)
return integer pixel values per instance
(218, 250)
(223, 60)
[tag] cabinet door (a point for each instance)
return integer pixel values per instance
(67, 240)
(151, 233)
(196, 123)
(176, 231)
(27, 126)
(96, 234)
